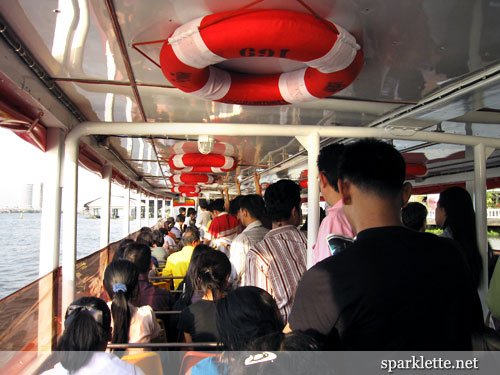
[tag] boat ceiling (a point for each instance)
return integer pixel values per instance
(429, 65)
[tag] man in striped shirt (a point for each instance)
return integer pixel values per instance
(277, 263)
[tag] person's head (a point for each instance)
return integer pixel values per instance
(191, 237)
(145, 230)
(145, 238)
(169, 223)
(87, 328)
(328, 160)
(372, 177)
(203, 203)
(158, 238)
(139, 254)
(283, 202)
(414, 216)
(121, 284)
(211, 273)
(180, 218)
(182, 211)
(190, 275)
(245, 314)
(191, 212)
(217, 206)
(234, 205)
(121, 248)
(252, 208)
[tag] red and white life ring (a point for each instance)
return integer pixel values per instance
(415, 170)
(186, 189)
(210, 161)
(192, 179)
(220, 148)
(333, 59)
(190, 195)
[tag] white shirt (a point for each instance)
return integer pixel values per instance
(202, 220)
(252, 234)
(100, 363)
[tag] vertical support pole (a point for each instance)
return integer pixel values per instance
(70, 194)
(312, 194)
(155, 213)
(106, 205)
(126, 211)
(147, 211)
(481, 219)
(163, 211)
(50, 231)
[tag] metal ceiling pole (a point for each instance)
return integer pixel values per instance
(480, 156)
(126, 210)
(105, 205)
(312, 194)
(50, 231)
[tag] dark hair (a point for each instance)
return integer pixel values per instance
(293, 341)
(328, 160)
(217, 205)
(375, 166)
(191, 235)
(140, 255)
(211, 272)
(120, 282)
(414, 215)
(461, 219)
(244, 314)
(191, 211)
(254, 204)
(145, 230)
(87, 329)
(121, 248)
(164, 232)
(182, 209)
(281, 197)
(203, 203)
(158, 238)
(188, 292)
(180, 218)
(145, 238)
(234, 205)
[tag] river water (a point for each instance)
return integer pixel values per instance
(20, 244)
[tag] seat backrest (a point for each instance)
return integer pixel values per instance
(191, 358)
(149, 362)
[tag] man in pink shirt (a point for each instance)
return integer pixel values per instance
(336, 221)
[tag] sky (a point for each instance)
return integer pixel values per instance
(22, 163)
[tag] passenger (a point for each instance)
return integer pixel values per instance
(169, 244)
(197, 321)
(414, 216)
(243, 316)
(81, 348)
(455, 214)
(394, 287)
(159, 299)
(251, 209)
(178, 263)
(121, 248)
(131, 324)
(191, 215)
(277, 263)
(182, 211)
(177, 229)
(223, 229)
(203, 217)
(336, 221)
(157, 249)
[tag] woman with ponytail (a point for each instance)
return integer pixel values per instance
(131, 324)
(87, 330)
(209, 276)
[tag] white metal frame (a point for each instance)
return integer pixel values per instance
(312, 132)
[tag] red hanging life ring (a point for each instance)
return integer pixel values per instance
(186, 189)
(219, 162)
(303, 183)
(415, 169)
(333, 59)
(220, 148)
(192, 179)
(190, 195)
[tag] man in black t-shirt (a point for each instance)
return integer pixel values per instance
(393, 289)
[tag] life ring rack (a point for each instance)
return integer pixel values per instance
(333, 60)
